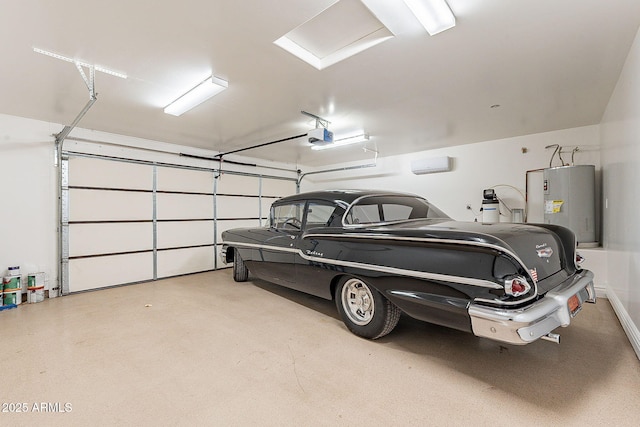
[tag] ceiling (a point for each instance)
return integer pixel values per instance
(548, 64)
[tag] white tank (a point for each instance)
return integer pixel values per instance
(569, 200)
(490, 211)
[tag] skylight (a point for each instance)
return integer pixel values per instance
(344, 29)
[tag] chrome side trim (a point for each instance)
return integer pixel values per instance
(504, 303)
(404, 272)
(258, 246)
(377, 268)
(445, 241)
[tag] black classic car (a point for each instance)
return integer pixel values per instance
(380, 254)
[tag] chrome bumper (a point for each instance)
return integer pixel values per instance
(527, 324)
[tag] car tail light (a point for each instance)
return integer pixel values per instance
(579, 259)
(516, 286)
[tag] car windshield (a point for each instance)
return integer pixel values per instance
(379, 209)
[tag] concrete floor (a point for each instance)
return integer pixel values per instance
(209, 351)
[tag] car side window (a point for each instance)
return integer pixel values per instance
(363, 214)
(394, 212)
(320, 214)
(391, 208)
(287, 217)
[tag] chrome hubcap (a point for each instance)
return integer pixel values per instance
(357, 301)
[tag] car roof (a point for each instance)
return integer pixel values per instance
(339, 196)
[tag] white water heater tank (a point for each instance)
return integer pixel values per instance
(569, 200)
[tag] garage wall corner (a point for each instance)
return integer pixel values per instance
(29, 214)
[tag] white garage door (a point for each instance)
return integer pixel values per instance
(130, 221)
(244, 201)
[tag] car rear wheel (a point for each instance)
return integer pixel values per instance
(240, 270)
(364, 310)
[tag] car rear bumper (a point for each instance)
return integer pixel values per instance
(527, 324)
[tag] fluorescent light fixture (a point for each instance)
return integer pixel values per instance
(341, 142)
(82, 63)
(196, 96)
(434, 15)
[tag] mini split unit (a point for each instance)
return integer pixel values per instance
(431, 165)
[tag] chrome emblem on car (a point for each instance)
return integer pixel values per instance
(544, 251)
(534, 274)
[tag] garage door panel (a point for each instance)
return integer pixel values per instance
(99, 272)
(104, 205)
(184, 233)
(95, 239)
(266, 205)
(87, 172)
(184, 206)
(191, 181)
(238, 184)
(184, 261)
(277, 187)
(111, 210)
(237, 207)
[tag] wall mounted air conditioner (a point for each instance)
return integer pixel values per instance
(431, 165)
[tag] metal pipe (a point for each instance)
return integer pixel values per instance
(573, 152)
(554, 152)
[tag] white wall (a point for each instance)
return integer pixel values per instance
(498, 163)
(620, 130)
(28, 197)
